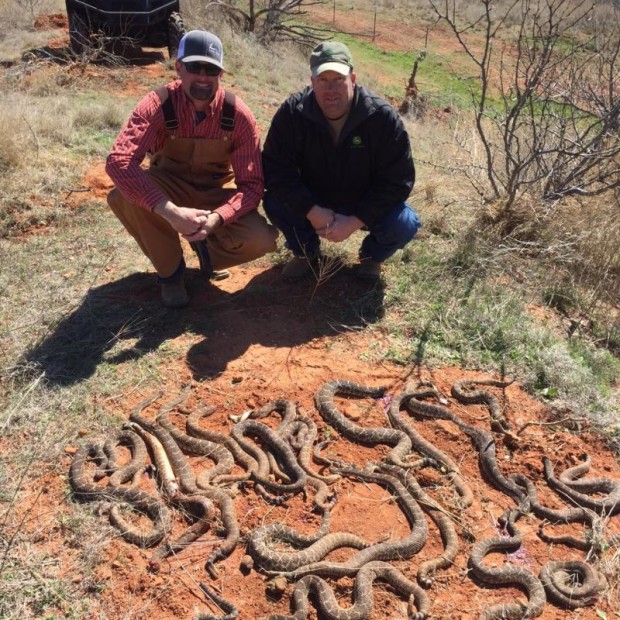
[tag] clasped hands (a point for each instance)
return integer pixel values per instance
(191, 224)
(333, 226)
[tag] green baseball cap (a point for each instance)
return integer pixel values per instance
(331, 56)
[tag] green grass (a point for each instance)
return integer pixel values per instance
(445, 311)
(437, 76)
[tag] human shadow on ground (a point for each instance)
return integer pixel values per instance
(124, 320)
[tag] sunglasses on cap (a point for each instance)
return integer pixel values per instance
(196, 68)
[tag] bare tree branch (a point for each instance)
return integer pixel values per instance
(547, 107)
(272, 20)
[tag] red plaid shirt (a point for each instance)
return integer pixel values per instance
(145, 133)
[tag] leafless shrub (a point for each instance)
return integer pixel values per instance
(547, 112)
(273, 20)
(101, 49)
(585, 279)
(31, 7)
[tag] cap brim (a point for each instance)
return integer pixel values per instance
(338, 67)
(202, 59)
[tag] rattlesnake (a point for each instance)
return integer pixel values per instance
(366, 436)
(241, 457)
(555, 516)
(581, 492)
(130, 472)
(463, 390)
(485, 446)
(508, 575)
(199, 508)
(223, 458)
(449, 537)
(230, 611)
(301, 434)
(187, 482)
(386, 550)
(363, 604)
(288, 412)
(571, 584)
(286, 409)
(85, 489)
(317, 545)
(283, 453)
(412, 401)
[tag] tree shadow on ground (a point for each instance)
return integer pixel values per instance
(124, 320)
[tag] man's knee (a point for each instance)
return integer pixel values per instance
(411, 223)
(252, 238)
(114, 197)
(120, 206)
(398, 227)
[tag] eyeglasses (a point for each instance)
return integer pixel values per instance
(196, 68)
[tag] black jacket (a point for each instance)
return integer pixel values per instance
(369, 170)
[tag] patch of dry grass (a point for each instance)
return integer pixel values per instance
(48, 131)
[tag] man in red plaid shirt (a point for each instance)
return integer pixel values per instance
(205, 179)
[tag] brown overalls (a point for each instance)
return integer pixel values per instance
(194, 173)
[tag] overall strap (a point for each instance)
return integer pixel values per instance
(170, 117)
(228, 111)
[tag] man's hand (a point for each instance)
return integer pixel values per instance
(341, 228)
(213, 221)
(191, 224)
(320, 217)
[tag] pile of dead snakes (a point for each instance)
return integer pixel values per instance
(279, 463)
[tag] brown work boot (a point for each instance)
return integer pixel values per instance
(368, 270)
(174, 294)
(300, 267)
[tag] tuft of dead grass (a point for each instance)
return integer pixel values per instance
(34, 156)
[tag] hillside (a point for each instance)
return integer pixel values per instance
(87, 344)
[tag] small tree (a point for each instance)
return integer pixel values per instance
(547, 105)
(272, 20)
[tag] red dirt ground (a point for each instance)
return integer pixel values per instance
(262, 373)
(240, 366)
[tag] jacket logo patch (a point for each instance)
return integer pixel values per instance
(357, 141)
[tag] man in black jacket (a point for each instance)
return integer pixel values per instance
(337, 159)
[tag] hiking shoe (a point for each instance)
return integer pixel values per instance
(174, 294)
(368, 270)
(300, 267)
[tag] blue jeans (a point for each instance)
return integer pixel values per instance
(390, 233)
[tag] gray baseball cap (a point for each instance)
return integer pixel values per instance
(201, 46)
